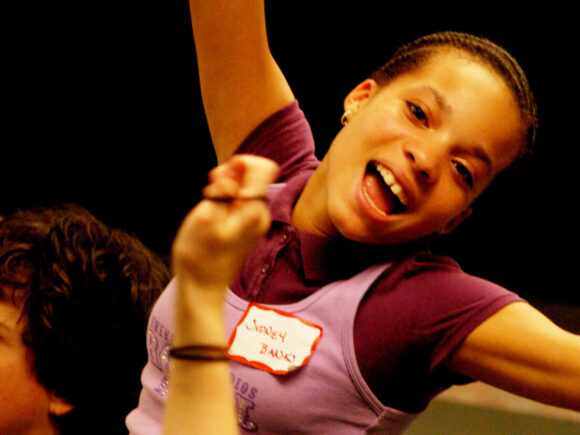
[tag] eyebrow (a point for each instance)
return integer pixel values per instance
(480, 154)
(442, 102)
(5, 327)
(439, 98)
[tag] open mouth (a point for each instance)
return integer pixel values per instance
(382, 190)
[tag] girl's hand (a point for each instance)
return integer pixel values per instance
(220, 231)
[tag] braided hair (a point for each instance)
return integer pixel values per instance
(413, 55)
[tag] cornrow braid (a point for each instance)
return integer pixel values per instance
(414, 54)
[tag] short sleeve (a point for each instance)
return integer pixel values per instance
(425, 306)
(286, 138)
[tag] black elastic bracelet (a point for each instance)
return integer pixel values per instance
(228, 199)
(199, 352)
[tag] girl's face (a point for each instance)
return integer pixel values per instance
(416, 153)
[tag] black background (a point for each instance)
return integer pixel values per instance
(103, 109)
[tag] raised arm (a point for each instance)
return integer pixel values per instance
(520, 350)
(207, 253)
(241, 83)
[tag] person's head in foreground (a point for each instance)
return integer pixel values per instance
(74, 302)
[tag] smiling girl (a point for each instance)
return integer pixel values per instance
(348, 247)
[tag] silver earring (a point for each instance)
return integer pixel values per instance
(344, 117)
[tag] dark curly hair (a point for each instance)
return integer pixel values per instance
(413, 55)
(87, 291)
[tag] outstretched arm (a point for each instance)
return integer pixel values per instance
(241, 84)
(520, 350)
(207, 253)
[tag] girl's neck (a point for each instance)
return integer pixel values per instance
(309, 213)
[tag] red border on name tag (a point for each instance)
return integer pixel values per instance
(263, 366)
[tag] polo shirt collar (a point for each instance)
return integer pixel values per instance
(324, 259)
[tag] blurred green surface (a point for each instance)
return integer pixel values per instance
(446, 418)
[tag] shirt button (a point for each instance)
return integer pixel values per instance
(266, 268)
(286, 236)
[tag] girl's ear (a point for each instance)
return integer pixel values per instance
(454, 223)
(359, 96)
(59, 406)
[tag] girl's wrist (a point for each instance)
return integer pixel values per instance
(198, 314)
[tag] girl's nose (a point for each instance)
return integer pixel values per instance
(424, 162)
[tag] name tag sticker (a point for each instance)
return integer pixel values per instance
(273, 340)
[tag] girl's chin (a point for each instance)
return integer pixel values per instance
(369, 210)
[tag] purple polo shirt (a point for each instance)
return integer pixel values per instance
(412, 318)
(408, 322)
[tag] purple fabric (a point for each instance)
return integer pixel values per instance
(326, 396)
(285, 138)
(408, 322)
(424, 307)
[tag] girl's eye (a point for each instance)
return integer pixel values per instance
(464, 173)
(418, 113)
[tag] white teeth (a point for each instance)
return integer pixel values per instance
(397, 190)
(390, 181)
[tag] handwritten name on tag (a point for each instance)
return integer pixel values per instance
(273, 340)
